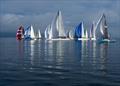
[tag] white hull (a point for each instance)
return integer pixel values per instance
(106, 40)
(59, 39)
(83, 38)
(92, 38)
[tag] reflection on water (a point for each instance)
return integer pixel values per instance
(103, 57)
(87, 53)
(84, 52)
(21, 48)
(32, 51)
(74, 62)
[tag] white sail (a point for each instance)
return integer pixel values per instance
(27, 33)
(48, 32)
(83, 33)
(93, 32)
(97, 24)
(104, 28)
(71, 34)
(86, 34)
(53, 32)
(56, 27)
(39, 34)
(90, 35)
(32, 34)
(59, 25)
(95, 27)
(101, 28)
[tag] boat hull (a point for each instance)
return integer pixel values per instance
(58, 39)
(82, 39)
(107, 41)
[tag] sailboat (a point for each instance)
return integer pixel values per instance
(39, 34)
(86, 34)
(29, 33)
(20, 33)
(55, 31)
(48, 32)
(71, 34)
(92, 32)
(60, 26)
(105, 36)
(80, 32)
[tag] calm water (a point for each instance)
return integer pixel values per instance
(59, 63)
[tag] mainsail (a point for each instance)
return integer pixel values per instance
(86, 34)
(59, 25)
(104, 28)
(56, 29)
(39, 34)
(92, 32)
(32, 33)
(71, 34)
(29, 33)
(79, 31)
(20, 33)
(48, 32)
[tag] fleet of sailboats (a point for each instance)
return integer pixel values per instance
(56, 31)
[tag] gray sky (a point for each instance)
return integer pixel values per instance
(40, 13)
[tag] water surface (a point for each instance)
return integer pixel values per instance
(59, 63)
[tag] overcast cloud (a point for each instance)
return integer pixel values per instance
(40, 13)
